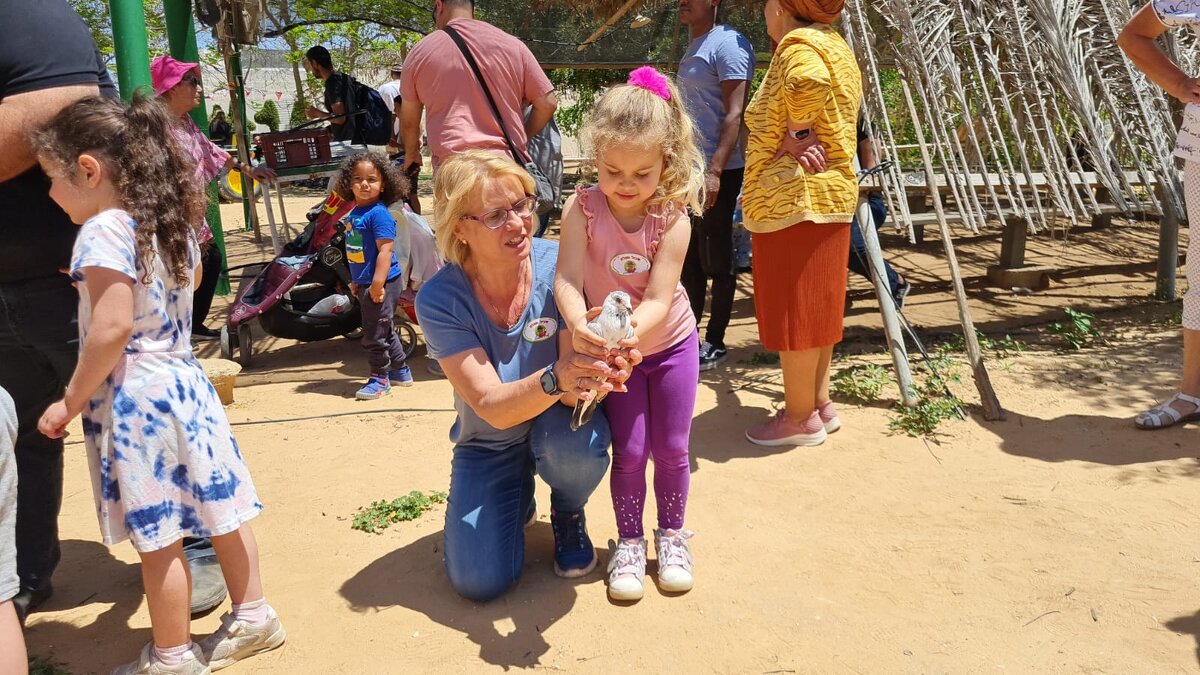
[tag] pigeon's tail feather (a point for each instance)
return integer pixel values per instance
(582, 415)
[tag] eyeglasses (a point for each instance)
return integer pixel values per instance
(192, 80)
(496, 218)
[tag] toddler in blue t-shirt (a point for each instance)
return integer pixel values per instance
(375, 274)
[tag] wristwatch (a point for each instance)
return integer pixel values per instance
(550, 382)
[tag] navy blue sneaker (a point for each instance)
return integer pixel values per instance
(401, 377)
(574, 555)
(902, 291)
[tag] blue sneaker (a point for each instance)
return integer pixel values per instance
(573, 552)
(376, 387)
(401, 377)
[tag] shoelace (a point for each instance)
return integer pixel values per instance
(673, 550)
(564, 539)
(630, 558)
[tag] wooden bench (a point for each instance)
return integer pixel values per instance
(1011, 270)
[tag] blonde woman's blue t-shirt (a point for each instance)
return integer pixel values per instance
(454, 321)
(367, 224)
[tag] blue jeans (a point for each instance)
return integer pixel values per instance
(491, 497)
(858, 245)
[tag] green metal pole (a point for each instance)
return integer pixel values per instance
(130, 44)
(235, 65)
(181, 37)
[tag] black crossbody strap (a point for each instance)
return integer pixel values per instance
(466, 51)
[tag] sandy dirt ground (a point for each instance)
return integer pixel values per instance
(1060, 540)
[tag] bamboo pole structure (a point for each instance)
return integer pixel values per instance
(992, 410)
(887, 307)
(612, 21)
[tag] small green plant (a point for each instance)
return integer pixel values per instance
(1078, 331)
(268, 114)
(1003, 348)
(925, 417)
(381, 514)
(761, 359)
(934, 403)
(39, 665)
(863, 382)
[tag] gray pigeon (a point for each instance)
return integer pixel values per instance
(613, 325)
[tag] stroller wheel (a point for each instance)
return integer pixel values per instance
(245, 342)
(408, 337)
(228, 343)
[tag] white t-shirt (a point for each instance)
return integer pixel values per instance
(389, 92)
(1185, 13)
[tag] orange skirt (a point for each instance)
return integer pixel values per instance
(800, 285)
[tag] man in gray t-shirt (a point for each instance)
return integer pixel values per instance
(714, 79)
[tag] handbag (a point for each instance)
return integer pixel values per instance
(545, 191)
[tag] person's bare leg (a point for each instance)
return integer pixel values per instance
(824, 363)
(238, 554)
(799, 378)
(13, 658)
(168, 594)
(1190, 383)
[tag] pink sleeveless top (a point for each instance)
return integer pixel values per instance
(621, 261)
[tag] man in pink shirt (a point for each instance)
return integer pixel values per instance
(438, 81)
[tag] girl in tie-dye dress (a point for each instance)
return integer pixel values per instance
(164, 462)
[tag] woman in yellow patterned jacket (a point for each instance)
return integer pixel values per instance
(799, 197)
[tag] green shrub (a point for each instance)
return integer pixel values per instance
(268, 114)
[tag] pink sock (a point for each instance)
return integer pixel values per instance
(256, 612)
(172, 656)
(813, 424)
(827, 411)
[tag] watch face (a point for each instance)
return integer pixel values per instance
(549, 382)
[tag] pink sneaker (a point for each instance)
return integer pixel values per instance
(779, 430)
(829, 417)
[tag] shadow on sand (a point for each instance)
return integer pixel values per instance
(413, 577)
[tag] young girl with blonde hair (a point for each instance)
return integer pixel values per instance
(630, 233)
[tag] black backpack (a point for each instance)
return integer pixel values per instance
(373, 120)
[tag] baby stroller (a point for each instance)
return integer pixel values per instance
(304, 293)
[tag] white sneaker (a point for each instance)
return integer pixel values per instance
(674, 560)
(236, 640)
(148, 664)
(626, 569)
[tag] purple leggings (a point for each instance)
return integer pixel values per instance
(654, 418)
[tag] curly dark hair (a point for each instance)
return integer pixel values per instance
(394, 189)
(153, 176)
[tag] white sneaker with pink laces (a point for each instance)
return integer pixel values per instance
(626, 569)
(674, 560)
